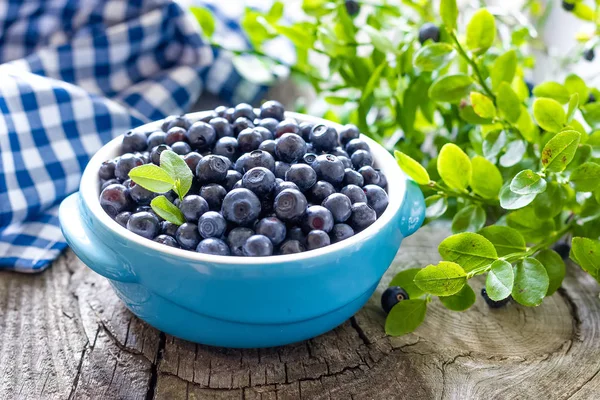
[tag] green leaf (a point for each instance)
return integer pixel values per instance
(529, 224)
(510, 200)
(275, 13)
(574, 84)
(503, 69)
(508, 102)
(317, 8)
(549, 114)
(436, 206)
(493, 143)
(500, 280)
(573, 104)
(483, 105)
(467, 113)
(531, 282)
(586, 177)
(433, 56)
(405, 279)
(253, 69)
(486, 180)
(412, 168)
(481, 31)
(469, 250)
(454, 166)
(178, 170)
(527, 182)
(469, 219)
(167, 210)
(450, 88)
(205, 19)
(444, 279)
(379, 41)
(460, 301)
(405, 317)
(560, 150)
(528, 129)
(506, 240)
(152, 178)
(555, 268)
(591, 114)
(514, 153)
(584, 12)
(552, 90)
(586, 253)
(449, 13)
(549, 203)
(373, 80)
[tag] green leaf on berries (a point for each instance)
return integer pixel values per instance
(405, 317)
(552, 90)
(483, 105)
(500, 280)
(412, 168)
(167, 210)
(179, 171)
(506, 240)
(469, 250)
(586, 177)
(510, 200)
(531, 282)
(433, 56)
(573, 104)
(436, 206)
(586, 253)
(527, 182)
(444, 279)
(549, 114)
(503, 70)
(486, 180)
(555, 267)
(152, 178)
(481, 31)
(454, 166)
(406, 280)
(560, 150)
(460, 301)
(450, 88)
(508, 102)
(469, 219)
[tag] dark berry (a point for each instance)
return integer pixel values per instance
(201, 135)
(244, 110)
(231, 179)
(248, 140)
(181, 148)
(236, 239)
(270, 124)
(144, 224)
(272, 109)
(265, 133)
(213, 246)
(260, 180)
(352, 177)
(324, 138)
(175, 134)
(269, 146)
(122, 218)
(192, 207)
(211, 224)
(309, 158)
(180, 121)
(320, 191)
(329, 168)
(257, 246)
(317, 218)
(134, 141)
(339, 205)
(220, 111)
(291, 247)
(492, 303)
(529, 85)
(145, 208)
(241, 124)
(361, 158)
(222, 127)
(140, 195)
(370, 176)
(156, 138)
(429, 31)
(115, 199)
(228, 115)
(563, 249)
(296, 233)
(317, 239)
(214, 194)
(290, 205)
(290, 147)
(589, 55)
(192, 159)
(591, 98)
(187, 236)
(356, 144)
(382, 179)
(362, 216)
(354, 193)
(339, 152)
(281, 185)
(155, 153)
(212, 168)
(272, 228)
(241, 206)
(392, 296)
(288, 125)
(341, 232)
(107, 170)
(302, 175)
(166, 240)
(208, 115)
(126, 163)
(347, 133)
(109, 182)
(256, 158)
(168, 228)
(568, 6)
(304, 130)
(377, 198)
(281, 168)
(226, 147)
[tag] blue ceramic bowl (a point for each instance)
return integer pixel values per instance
(236, 301)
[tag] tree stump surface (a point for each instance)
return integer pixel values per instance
(65, 335)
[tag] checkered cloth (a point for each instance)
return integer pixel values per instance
(73, 75)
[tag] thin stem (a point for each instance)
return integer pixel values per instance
(473, 65)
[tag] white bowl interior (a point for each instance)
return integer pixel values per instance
(90, 192)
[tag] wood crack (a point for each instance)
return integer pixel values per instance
(154, 368)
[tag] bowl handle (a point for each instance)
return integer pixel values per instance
(86, 245)
(412, 212)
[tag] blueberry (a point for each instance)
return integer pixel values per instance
(302, 175)
(175, 134)
(165, 123)
(317, 239)
(269, 146)
(339, 152)
(270, 124)
(296, 233)
(249, 139)
(241, 124)
(290, 147)
(145, 208)
(392, 296)
(243, 110)
(260, 180)
(187, 236)
(140, 195)
(352, 177)
(228, 115)
(352, 7)
(134, 141)
(115, 199)
(347, 133)
(530, 86)
(568, 6)
(213, 246)
(211, 224)
(280, 185)
(329, 168)
(356, 144)
(265, 133)
(231, 179)
(166, 240)
(382, 179)
(370, 176)
(309, 158)
(288, 125)
(156, 138)
(226, 147)
(290, 205)
(320, 191)
(214, 194)
(109, 182)
(361, 158)
(341, 232)
(281, 168)
(181, 148)
(237, 185)
(563, 249)
(272, 109)
(324, 138)
(362, 216)
(222, 127)
(155, 153)
(192, 159)
(212, 168)
(272, 228)
(304, 130)
(144, 224)
(126, 163)
(291, 247)
(317, 218)
(208, 115)
(377, 198)
(257, 246)
(340, 206)
(122, 218)
(168, 228)
(492, 303)
(220, 111)
(236, 239)
(429, 31)
(256, 158)
(241, 206)
(192, 207)
(180, 121)
(589, 54)
(107, 170)
(201, 135)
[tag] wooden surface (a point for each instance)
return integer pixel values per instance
(64, 334)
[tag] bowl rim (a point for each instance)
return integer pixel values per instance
(90, 191)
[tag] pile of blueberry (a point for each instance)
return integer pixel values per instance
(263, 183)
